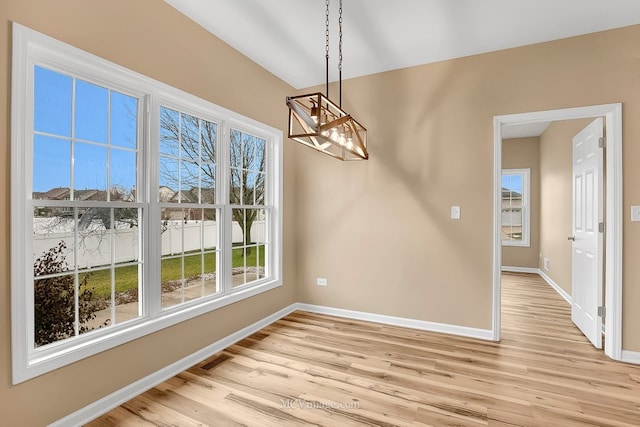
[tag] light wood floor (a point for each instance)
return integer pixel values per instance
(310, 369)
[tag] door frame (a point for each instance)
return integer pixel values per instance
(613, 212)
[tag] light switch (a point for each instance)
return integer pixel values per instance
(635, 213)
(455, 212)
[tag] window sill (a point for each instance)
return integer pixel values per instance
(57, 356)
(516, 244)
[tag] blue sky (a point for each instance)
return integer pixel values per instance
(100, 131)
(87, 133)
(512, 182)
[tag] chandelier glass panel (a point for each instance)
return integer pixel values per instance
(319, 123)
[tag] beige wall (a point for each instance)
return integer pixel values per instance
(380, 230)
(556, 199)
(152, 38)
(521, 153)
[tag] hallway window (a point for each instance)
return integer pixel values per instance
(515, 207)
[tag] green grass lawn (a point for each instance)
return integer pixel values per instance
(127, 277)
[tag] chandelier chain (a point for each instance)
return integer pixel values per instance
(326, 31)
(326, 49)
(340, 37)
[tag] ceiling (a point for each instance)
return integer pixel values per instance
(287, 37)
(524, 130)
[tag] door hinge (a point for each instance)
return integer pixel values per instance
(602, 142)
(602, 311)
(601, 227)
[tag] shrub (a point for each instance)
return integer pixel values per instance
(54, 299)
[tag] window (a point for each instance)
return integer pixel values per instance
(188, 209)
(249, 212)
(515, 207)
(85, 223)
(134, 205)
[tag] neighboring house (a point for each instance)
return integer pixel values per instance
(58, 193)
(511, 215)
(187, 196)
(63, 193)
(165, 193)
(511, 208)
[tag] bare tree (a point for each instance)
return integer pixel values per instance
(247, 157)
(188, 167)
(193, 141)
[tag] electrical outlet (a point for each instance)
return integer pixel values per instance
(321, 281)
(635, 213)
(546, 263)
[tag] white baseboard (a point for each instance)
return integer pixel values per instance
(555, 286)
(99, 407)
(627, 356)
(483, 334)
(631, 357)
(107, 403)
(509, 269)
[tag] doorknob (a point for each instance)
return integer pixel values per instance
(571, 238)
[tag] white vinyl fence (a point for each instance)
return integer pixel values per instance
(95, 246)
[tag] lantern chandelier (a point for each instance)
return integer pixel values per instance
(317, 122)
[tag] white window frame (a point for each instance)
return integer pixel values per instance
(31, 48)
(525, 173)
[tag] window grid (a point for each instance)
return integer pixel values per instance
(82, 228)
(192, 142)
(515, 207)
(139, 163)
(247, 195)
(204, 223)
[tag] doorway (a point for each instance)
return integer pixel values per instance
(612, 114)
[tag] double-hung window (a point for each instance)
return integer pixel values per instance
(515, 207)
(134, 205)
(189, 212)
(86, 217)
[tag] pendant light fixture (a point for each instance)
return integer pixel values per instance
(319, 123)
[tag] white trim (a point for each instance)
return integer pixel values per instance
(613, 234)
(117, 398)
(20, 93)
(496, 316)
(630, 357)
(614, 214)
(483, 334)
(564, 294)
(88, 346)
(530, 270)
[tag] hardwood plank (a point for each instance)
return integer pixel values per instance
(313, 369)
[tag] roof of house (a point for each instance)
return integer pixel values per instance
(510, 194)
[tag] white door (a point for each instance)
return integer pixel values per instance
(587, 259)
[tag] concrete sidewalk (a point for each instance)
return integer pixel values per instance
(193, 289)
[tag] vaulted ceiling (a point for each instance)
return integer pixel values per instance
(287, 37)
